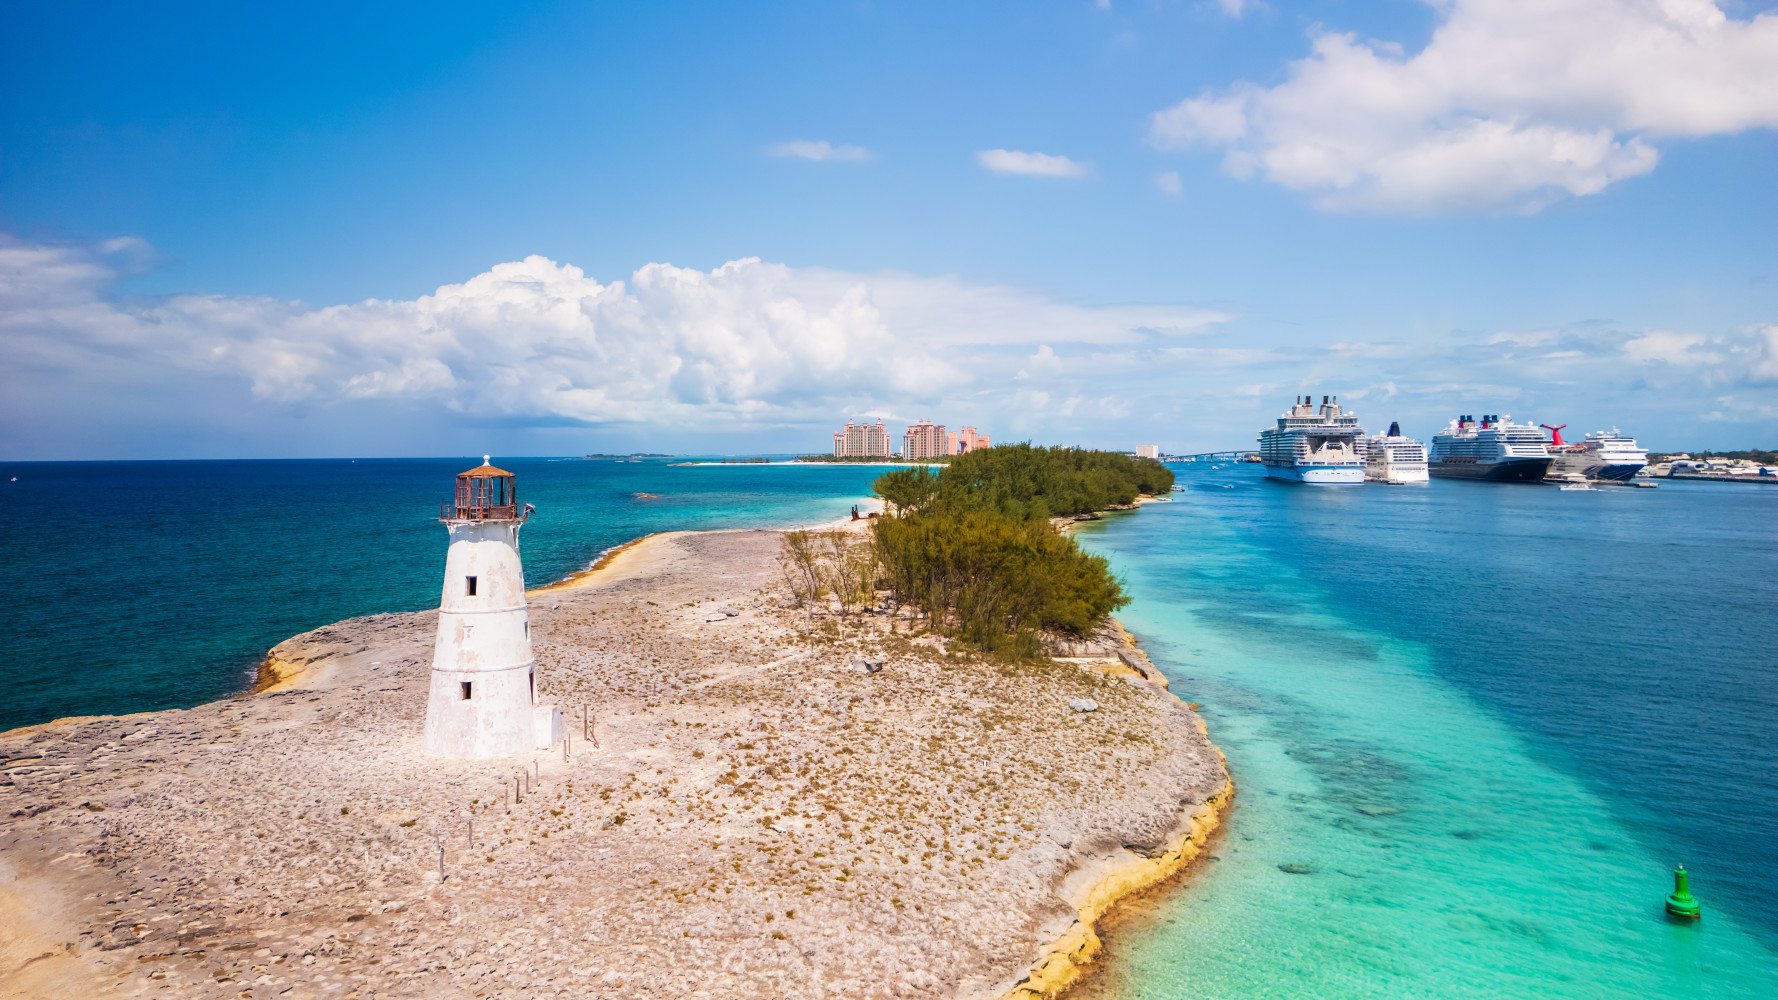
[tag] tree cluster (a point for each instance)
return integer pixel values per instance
(1026, 483)
(993, 581)
(970, 545)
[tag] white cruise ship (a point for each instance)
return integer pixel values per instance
(1314, 445)
(1394, 458)
(1494, 448)
(1601, 455)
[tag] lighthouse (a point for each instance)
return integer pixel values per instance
(483, 701)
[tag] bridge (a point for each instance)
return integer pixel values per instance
(1214, 456)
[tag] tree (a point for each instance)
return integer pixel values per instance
(799, 563)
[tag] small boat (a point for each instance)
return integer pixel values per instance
(1588, 487)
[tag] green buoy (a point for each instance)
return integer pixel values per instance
(1680, 902)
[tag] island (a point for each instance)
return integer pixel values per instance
(764, 794)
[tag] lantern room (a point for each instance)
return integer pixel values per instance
(485, 493)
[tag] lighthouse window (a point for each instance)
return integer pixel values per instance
(466, 690)
(470, 583)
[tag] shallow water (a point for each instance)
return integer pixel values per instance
(1472, 727)
(151, 585)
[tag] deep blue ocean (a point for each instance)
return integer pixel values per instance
(151, 585)
(1478, 723)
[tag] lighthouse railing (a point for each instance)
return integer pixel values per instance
(449, 511)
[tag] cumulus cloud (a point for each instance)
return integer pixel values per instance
(538, 340)
(819, 150)
(1512, 103)
(1012, 161)
(1167, 182)
(691, 358)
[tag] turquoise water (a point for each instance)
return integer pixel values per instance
(1479, 723)
(149, 585)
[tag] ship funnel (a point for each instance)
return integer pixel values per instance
(1394, 429)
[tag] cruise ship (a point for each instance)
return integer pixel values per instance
(1314, 444)
(1493, 448)
(1601, 455)
(1394, 458)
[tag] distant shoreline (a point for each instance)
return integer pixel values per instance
(813, 465)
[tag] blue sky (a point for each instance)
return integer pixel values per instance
(447, 228)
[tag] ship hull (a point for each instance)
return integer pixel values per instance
(1321, 475)
(1620, 473)
(1507, 470)
(1592, 468)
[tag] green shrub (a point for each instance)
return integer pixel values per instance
(1026, 483)
(970, 544)
(993, 579)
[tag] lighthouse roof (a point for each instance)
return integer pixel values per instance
(485, 469)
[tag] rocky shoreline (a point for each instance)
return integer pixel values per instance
(763, 815)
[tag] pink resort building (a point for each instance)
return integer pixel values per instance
(861, 441)
(925, 440)
(922, 440)
(967, 440)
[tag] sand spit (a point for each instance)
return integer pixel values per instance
(763, 815)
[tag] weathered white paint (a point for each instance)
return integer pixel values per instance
(484, 641)
(548, 725)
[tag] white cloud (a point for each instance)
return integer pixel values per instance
(1512, 103)
(1235, 8)
(1167, 182)
(1012, 161)
(819, 151)
(535, 340)
(1672, 348)
(687, 358)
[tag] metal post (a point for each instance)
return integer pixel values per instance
(539, 766)
(593, 728)
(441, 874)
(586, 724)
(566, 739)
(472, 833)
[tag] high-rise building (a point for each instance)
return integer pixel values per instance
(925, 440)
(967, 440)
(861, 441)
(1148, 451)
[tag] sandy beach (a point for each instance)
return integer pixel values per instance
(762, 815)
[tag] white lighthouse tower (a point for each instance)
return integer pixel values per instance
(484, 680)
